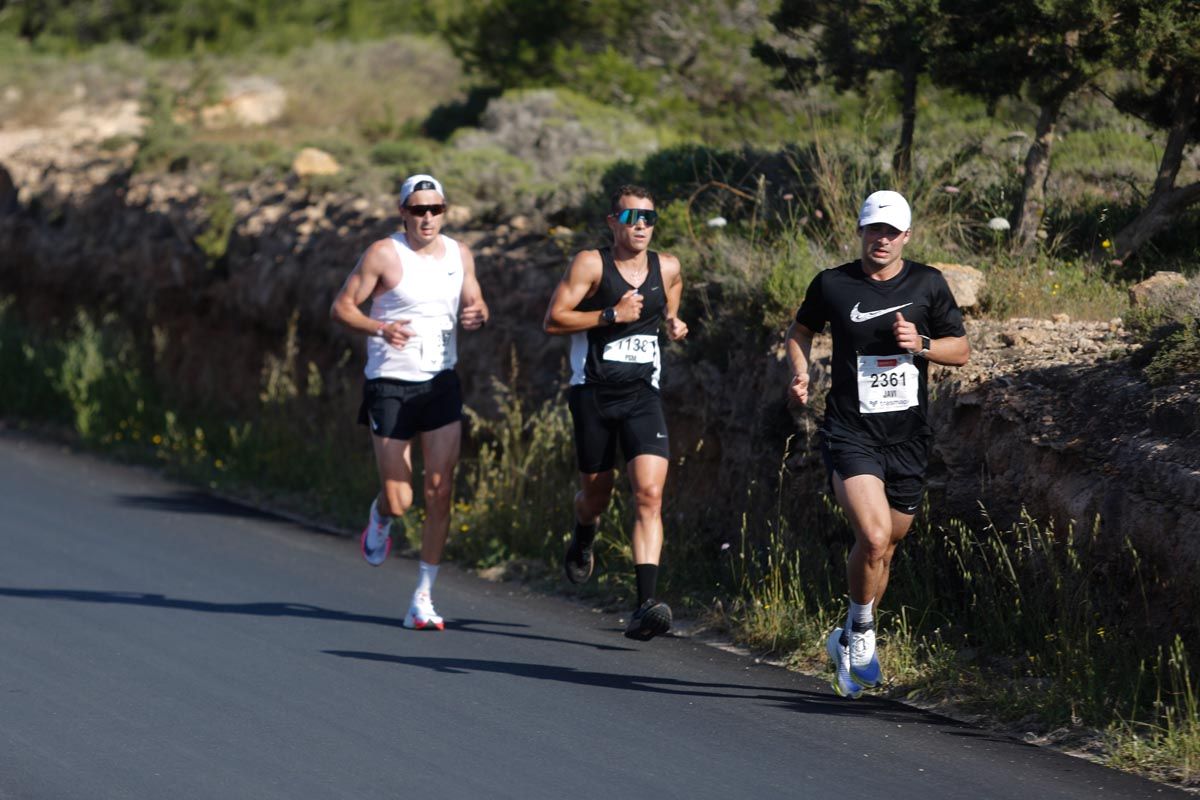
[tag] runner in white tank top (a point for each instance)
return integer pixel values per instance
(421, 284)
(427, 298)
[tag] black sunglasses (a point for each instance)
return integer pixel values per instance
(630, 216)
(420, 211)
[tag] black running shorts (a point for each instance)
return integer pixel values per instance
(900, 466)
(396, 409)
(603, 415)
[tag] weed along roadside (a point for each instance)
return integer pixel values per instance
(165, 278)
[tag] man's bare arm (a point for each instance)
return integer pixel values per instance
(672, 274)
(473, 311)
(360, 285)
(799, 349)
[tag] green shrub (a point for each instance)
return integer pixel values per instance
(164, 141)
(213, 241)
(502, 184)
(407, 155)
(30, 365)
(1177, 357)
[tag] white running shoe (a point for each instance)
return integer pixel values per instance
(864, 664)
(421, 615)
(376, 537)
(838, 648)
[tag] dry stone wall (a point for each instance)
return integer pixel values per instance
(1047, 416)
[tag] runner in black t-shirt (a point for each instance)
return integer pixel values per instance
(889, 318)
(613, 302)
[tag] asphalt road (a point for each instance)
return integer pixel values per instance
(158, 643)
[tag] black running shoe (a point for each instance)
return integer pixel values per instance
(653, 618)
(578, 562)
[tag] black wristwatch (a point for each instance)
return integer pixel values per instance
(609, 315)
(926, 343)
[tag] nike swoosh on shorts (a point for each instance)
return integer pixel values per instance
(863, 316)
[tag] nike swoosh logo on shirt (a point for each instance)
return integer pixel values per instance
(863, 316)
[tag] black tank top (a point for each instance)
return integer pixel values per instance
(626, 352)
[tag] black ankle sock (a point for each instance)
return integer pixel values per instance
(584, 535)
(647, 578)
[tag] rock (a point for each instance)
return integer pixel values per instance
(966, 283)
(1060, 319)
(1155, 289)
(249, 102)
(457, 216)
(1026, 337)
(311, 161)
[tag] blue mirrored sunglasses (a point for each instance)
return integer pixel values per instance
(630, 216)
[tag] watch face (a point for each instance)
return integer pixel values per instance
(610, 315)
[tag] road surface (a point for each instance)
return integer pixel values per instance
(158, 643)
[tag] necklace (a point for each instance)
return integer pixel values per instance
(633, 275)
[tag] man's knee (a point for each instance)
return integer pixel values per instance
(593, 498)
(438, 491)
(876, 542)
(649, 498)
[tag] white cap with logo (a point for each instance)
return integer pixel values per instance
(887, 207)
(417, 183)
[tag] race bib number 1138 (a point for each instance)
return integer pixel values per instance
(638, 349)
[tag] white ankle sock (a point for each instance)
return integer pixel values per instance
(859, 612)
(426, 575)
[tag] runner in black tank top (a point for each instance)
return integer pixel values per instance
(613, 303)
(625, 352)
(889, 317)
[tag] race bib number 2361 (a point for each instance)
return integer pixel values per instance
(887, 383)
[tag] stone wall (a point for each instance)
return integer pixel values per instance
(1043, 418)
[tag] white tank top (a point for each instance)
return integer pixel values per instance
(428, 296)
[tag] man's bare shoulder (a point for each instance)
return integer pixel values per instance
(463, 247)
(586, 264)
(380, 254)
(669, 265)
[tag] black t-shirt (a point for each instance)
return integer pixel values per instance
(873, 392)
(626, 352)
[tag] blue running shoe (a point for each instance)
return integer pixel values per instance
(376, 538)
(864, 663)
(838, 648)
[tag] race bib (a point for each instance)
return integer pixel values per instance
(887, 383)
(640, 349)
(433, 339)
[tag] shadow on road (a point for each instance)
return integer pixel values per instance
(190, 502)
(800, 700)
(298, 610)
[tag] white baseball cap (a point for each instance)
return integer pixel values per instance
(887, 207)
(417, 183)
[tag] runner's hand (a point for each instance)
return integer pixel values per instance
(798, 390)
(676, 329)
(474, 315)
(397, 333)
(629, 307)
(906, 334)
